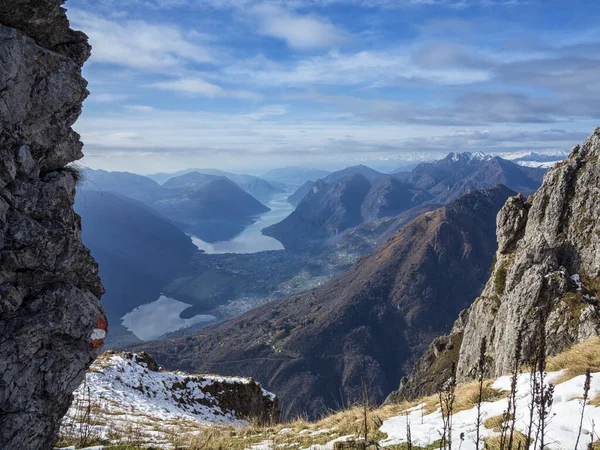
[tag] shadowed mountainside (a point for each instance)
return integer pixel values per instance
(329, 209)
(211, 207)
(138, 251)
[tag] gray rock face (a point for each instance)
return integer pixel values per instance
(547, 266)
(51, 321)
(547, 269)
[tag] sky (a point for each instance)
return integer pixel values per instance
(248, 85)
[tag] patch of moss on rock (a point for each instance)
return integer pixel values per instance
(500, 279)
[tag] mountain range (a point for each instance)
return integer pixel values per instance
(259, 188)
(330, 208)
(210, 206)
(348, 198)
(545, 282)
(214, 211)
(457, 173)
(314, 348)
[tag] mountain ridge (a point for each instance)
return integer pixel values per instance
(212, 207)
(322, 215)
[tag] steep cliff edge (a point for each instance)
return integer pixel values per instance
(51, 321)
(546, 270)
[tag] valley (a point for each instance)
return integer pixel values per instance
(311, 325)
(282, 251)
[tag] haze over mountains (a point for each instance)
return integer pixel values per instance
(209, 206)
(294, 176)
(345, 215)
(328, 209)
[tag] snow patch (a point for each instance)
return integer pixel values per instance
(561, 431)
(121, 391)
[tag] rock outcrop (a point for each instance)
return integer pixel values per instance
(547, 270)
(51, 321)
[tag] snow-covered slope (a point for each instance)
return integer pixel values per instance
(562, 427)
(125, 391)
(426, 428)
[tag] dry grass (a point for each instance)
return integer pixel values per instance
(494, 423)
(577, 360)
(493, 443)
(302, 433)
(466, 395)
(595, 401)
(77, 173)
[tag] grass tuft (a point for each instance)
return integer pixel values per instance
(76, 171)
(577, 360)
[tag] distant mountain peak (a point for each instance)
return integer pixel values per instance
(468, 156)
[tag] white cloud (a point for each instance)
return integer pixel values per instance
(302, 32)
(138, 44)
(372, 68)
(159, 139)
(106, 97)
(139, 108)
(200, 87)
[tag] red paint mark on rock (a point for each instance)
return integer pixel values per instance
(99, 333)
(102, 324)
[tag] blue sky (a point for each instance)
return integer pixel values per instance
(251, 84)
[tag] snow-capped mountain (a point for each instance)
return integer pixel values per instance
(467, 156)
(544, 159)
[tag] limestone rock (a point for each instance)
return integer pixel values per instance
(51, 321)
(547, 266)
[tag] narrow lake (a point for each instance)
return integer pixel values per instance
(251, 240)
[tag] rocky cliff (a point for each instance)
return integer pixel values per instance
(546, 270)
(51, 322)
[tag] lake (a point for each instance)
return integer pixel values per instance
(251, 240)
(152, 320)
